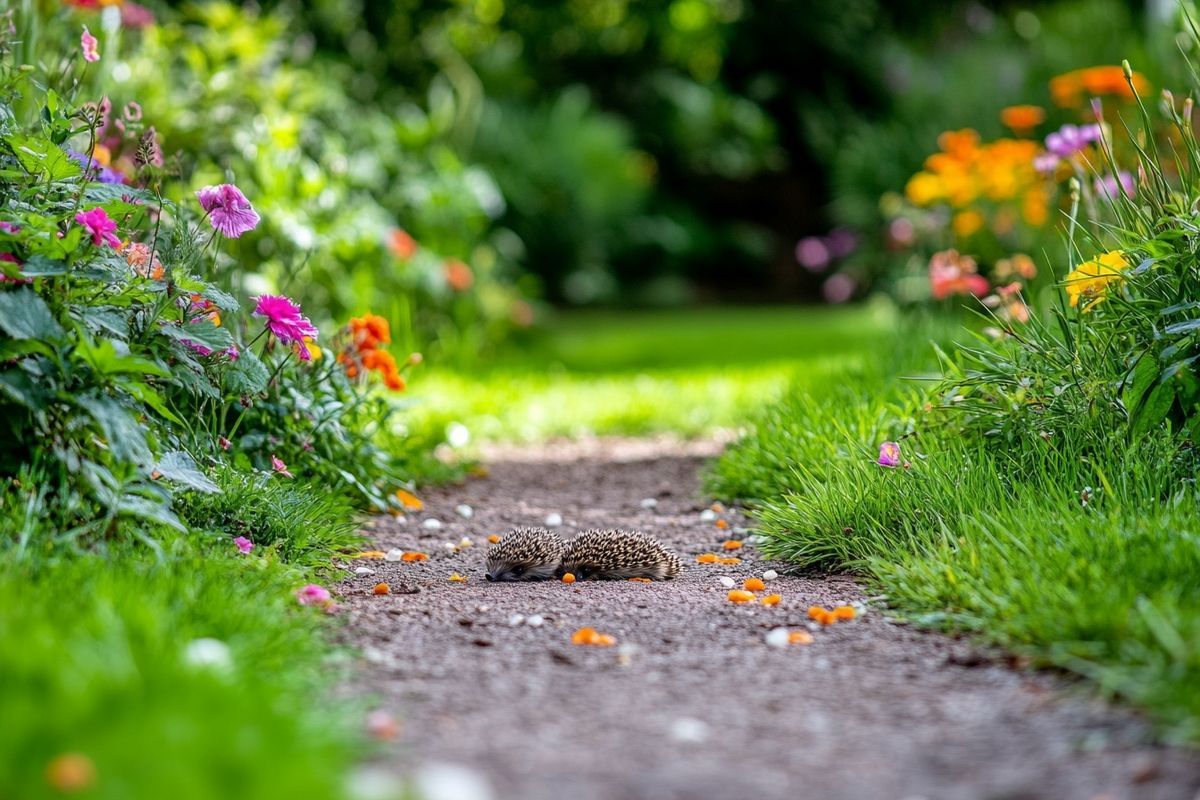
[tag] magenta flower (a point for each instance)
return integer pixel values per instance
(90, 45)
(280, 467)
(97, 223)
(244, 545)
(224, 443)
(228, 209)
(313, 595)
(285, 321)
(1071, 139)
(889, 454)
(1112, 186)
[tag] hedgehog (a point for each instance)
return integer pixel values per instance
(526, 554)
(618, 555)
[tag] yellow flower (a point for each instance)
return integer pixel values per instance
(966, 223)
(1089, 281)
(924, 188)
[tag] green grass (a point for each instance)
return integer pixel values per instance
(988, 537)
(96, 641)
(634, 373)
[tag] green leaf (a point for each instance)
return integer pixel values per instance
(40, 267)
(18, 386)
(1138, 383)
(126, 437)
(247, 375)
(106, 359)
(151, 510)
(1186, 326)
(179, 467)
(203, 333)
(150, 397)
(25, 315)
(1155, 409)
(223, 300)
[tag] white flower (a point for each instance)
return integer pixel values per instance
(208, 654)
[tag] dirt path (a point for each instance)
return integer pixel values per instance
(693, 703)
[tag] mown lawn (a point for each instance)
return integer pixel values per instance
(633, 373)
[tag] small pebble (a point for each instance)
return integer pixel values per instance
(778, 637)
(649, 502)
(364, 571)
(727, 583)
(687, 729)
(465, 542)
(432, 524)
(708, 515)
(465, 511)
(451, 547)
(553, 520)
(535, 620)
(770, 575)
(515, 620)
(393, 555)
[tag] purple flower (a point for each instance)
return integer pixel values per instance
(90, 46)
(243, 544)
(280, 467)
(838, 288)
(97, 223)
(1071, 139)
(228, 209)
(812, 254)
(1110, 186)
(889, 454)
(285, 321)
(197, 348)
(1046, 163)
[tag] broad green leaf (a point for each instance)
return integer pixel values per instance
(1155, 409)
(203, 333)
(40, 267)
(126, 437)
(112, 358)
(25, 315)
(247, 375)
(179, 467)
(150, 396)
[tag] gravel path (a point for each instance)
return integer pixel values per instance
(692, 703)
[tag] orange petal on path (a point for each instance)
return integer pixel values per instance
(740, 596)
(707, 558)
(493, 538)
(641, 580)
(754, 584)
(732, 544)
(590, 636)
(722, 524)
(771, 600)
(381, 588)
(844, 612)
(729, 561)
(456, 578)
(409, 500)
(414, 557)
(568, 578)
(369, 554)
(815, 612)
(800, 637)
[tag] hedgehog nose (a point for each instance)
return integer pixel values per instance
(490, 576)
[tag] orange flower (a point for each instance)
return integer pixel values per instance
(1071, 88)
(740, 596)
(370, 331)
(722, 524)
(590, 636)
(706, 558)
(494, 538)
(1022, 119)
(754, 584)
(732, 544)
(414, 557)
(409, 500)
(729, 561)
(381, 588)
(402, 244)
(844, 612)
(458, 275)
(568, 578)
(71, 772)
(815, 612)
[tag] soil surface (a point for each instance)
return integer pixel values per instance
(692, 703)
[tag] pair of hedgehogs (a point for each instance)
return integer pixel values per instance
(536, 554)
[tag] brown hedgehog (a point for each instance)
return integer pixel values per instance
(618, 555)
(526, 554)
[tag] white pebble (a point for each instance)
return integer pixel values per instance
(778, 637)
(708, 515)
(465, 542)
(364, 571)
(393, 555)
(465, 511)
(690, 730)
(770, 575)
(452, 782)
(374, 783)
(208, 654)
(432, 524)
(535, 620)
(515, 620)
(482, 609)
(553, 520)
(451, 547)
(649, 502)
(727, 582)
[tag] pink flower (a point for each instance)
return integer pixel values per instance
(228, 209)
(11, 259)
(197, 348)
(889, 454)
(90, 45)
(243, 544)
(136, 16)
(285, 321)
(313, 595)
(280, 467)
(97, 223)
(224, 443)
